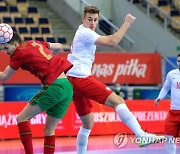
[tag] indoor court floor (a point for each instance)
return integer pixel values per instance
(97, 145)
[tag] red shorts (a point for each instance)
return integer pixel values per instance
(172, 124)
(85, 90)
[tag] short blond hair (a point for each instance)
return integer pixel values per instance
(91, 9)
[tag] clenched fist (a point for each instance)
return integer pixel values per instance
(129, 19)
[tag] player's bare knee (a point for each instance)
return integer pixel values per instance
(88, 125)
(22, 117)
(87, 121)
(114, 100)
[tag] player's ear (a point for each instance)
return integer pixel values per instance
(83, 18)
(16, 44)
(1, 46)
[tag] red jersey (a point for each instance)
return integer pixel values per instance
(36, 57)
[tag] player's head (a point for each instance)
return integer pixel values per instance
(178, 61)
(11, 46)
(91, 17)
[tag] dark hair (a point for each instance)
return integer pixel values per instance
(91, 9)
(178, 55)
(15, 38)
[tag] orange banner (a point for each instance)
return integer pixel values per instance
(128, 68)
(106, 121)
(112, 67)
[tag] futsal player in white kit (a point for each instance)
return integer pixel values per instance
(172, 123)
(86, 88)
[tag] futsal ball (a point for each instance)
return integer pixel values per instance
(6, 33)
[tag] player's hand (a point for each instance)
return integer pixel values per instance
(129, 19)
(156, 102)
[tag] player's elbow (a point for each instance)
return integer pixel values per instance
(107, 41)
(3, 77)
(112, 43)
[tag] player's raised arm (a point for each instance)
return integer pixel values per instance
(114, 39)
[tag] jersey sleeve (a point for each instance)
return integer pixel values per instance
(89, 36)
(16, 60)
(166, 87)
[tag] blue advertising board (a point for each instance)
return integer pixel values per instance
(20, 92)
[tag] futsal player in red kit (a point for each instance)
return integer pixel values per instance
(56, 94)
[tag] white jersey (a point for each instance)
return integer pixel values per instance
(82, 52)
(172, 82)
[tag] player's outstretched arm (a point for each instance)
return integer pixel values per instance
(166, 87)
(113, 40)
(58, 47)
(8, 72)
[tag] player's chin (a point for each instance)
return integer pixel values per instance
(92, 28)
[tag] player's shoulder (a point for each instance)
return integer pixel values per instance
(174, 71)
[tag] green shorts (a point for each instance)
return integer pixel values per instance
(54, 98)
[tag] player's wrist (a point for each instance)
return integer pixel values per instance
(127, 24)
(158, 99)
